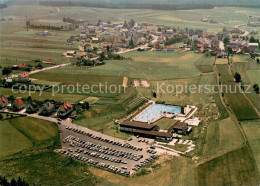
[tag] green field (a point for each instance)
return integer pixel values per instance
(175, 171)
(254, 76)
(250, 75)
(12, 141)
(232, 168)
(27, 146)
(221, 136)
(252, 131)
(21, 133)
(242, 108)
(165, 123)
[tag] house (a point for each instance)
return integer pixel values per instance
(95, 40)
(160, 39)
(22, 66)
(15, 67)
(3, 102)
(88, 40)
(80, 55)
(18, 104)
(64, 110)
(254, 31)
(194, 37)
(47, 109)
(169, 48)
(45, 33)
(169, 31)
(105, 45)
(49, 61)
(157, 47)
(24, 77)
(252, 47)
(83, 35)
(69, 42)
(70, 53)
(87, 48)
(32, 108)
(106, 32)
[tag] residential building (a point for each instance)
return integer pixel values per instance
(64, 110)
(18, 104)
(49, 61)
(24, 77)
(3, 102)
(47, 109)
(32, 107)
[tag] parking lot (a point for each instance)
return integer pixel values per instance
(115, 155)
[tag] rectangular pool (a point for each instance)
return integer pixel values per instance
(156, 111)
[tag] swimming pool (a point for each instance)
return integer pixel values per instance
(156, 111)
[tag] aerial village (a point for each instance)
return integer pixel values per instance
(101, 41)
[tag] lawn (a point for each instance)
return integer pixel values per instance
(12, 141)
(165, 123)
(233, 168)
(178, 147)
(35, 130)
(21, 133)
(252, 131)
(113, 131)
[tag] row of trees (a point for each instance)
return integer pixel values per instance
(13, 182)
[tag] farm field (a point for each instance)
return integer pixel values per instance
(221, 61)
(148, 65)
(21, 133)
(253, 76)
(249, 78)
(35, 130)
(252, 131)
(12, 141)
(235, 167)
(222, 136)
(36, 162)
(236, 100)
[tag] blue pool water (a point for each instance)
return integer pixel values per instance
(156, 111)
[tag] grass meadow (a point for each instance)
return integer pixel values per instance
(252, 131)
(242, 108)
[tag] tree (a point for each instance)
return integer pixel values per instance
(229, 49)
(28, 24)
(6, 71)
(29, 99)
(154, 94)
(86, 105)
(225, 41)
(13, 182)
(11, 98)
(256, 88)
(131, 43)
(258, 60)
(237, 77)
(1, 116)
(132, 23)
